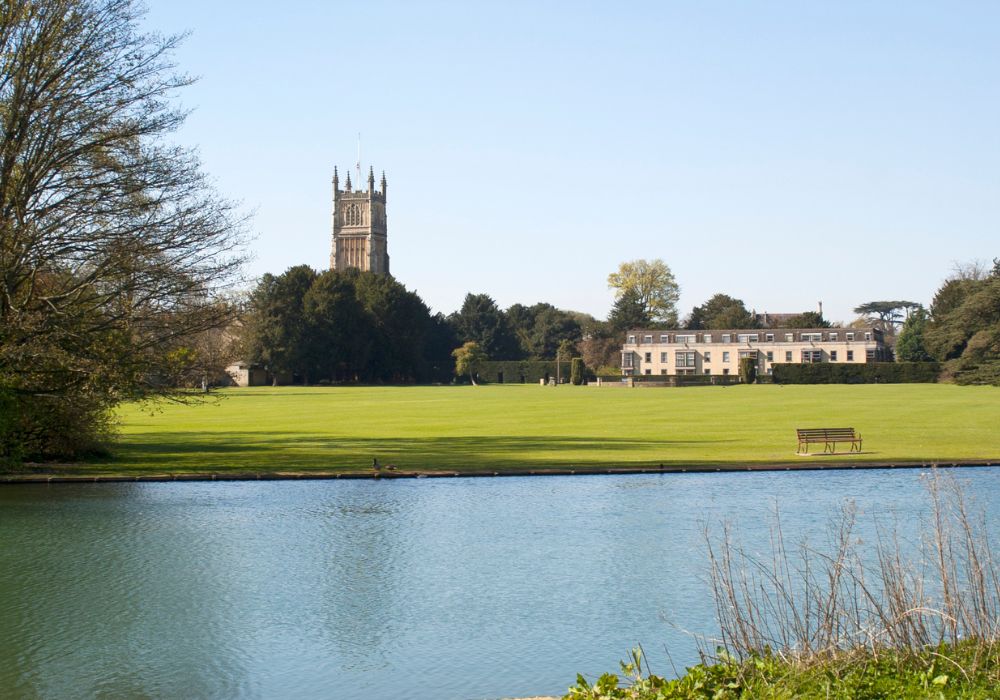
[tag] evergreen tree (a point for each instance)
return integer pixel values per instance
(629, 312)
(721, 312)
(910, 342)
(342, 332)
(277, 333)
(480, 320)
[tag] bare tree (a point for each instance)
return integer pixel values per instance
(114, 249)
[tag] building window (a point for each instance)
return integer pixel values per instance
(833, 356)
(725, 357)
(707, 357)
(708, 371)
(664, 338)
(647, 339)
(631, 340)
(663, 357)
(811, 356)
(725, 371)
(812, 337)
(685, 338)
(850, 356)
(870, 356)
(663, 371)
(726, 337)
(833, 336)
(770, 356)
(627, 360)
(747, 338)
(648, 371)
(849, 336)
(868, 336)
(707, 338)
(769, 337)
(649, 357)
(684, 359)
(788, 356)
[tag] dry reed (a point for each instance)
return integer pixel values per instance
(896, 597)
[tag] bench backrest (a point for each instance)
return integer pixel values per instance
(825, 433)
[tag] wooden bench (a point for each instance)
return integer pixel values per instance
(829, 437)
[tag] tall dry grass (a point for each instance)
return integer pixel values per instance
(904, 593)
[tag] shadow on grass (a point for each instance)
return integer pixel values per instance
(275, 451)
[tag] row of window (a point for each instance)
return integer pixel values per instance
(746, 338)
(687, 359)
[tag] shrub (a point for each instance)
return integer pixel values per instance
(38, 428)
(576, 371)
(868, 373)
(748, 370)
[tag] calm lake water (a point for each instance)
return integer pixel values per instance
(430, 588)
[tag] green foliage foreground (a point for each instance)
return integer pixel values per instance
(970, 670)
(507, 427)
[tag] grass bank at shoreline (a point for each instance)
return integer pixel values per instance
(521, 429)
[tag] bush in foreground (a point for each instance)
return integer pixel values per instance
(936, 673)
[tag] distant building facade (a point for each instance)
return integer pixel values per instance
(246, 374)
(359, 227)
(673, 352)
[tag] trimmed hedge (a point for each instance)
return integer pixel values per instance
(576, 371)
(868, 373)
(519, 371)
(685, 379)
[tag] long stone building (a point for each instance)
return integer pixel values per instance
(359, 227)
(673, 352)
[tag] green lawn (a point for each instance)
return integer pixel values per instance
(531, 427)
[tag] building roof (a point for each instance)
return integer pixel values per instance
(722, 331)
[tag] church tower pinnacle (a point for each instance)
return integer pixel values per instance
(359, 226)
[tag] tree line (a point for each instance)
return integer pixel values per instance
(961, 329)
(311, 327)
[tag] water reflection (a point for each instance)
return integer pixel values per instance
(459, 588)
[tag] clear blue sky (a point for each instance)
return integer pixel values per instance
(781, 152)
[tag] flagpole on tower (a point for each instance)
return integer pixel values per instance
(359, 159)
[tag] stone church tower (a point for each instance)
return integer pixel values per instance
(359, 238)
